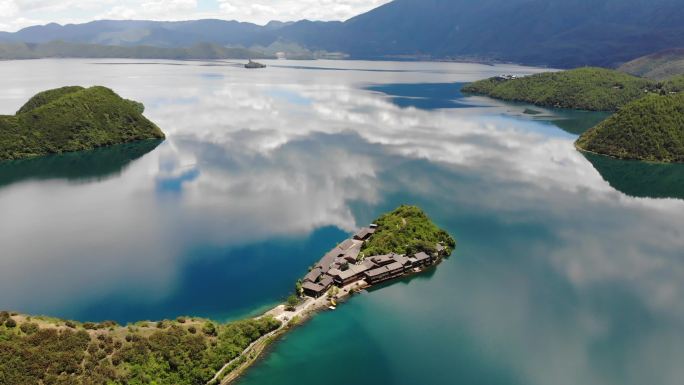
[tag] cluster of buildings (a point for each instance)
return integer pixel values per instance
(342, 266)
(506, 77)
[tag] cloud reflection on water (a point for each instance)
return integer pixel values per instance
(250, 159)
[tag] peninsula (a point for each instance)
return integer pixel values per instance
(195, 351)
(73, 119)
(591, 89)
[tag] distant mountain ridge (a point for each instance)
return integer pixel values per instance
(558, 33)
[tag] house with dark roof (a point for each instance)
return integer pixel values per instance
(313, 275)
(421, 259)
(313, 289)
(364, 233)
(404, 261)
(352, 274)
(383, 273)
(347, 244)
(382, 260)
(326, 282)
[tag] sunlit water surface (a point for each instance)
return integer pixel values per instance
(569, 269)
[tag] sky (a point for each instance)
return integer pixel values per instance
(17, 14)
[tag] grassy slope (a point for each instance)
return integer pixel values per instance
(658, 66)
(406, 230)
(182, 352)
(73, 119)
(651, 129)
(594, 89)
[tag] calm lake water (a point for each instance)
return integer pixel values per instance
(569, 268)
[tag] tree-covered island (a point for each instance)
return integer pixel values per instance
(73, 119)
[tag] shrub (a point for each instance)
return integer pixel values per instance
(89, 326)
(292, 302)
(29, 328)
(209, 329)
(11, 323)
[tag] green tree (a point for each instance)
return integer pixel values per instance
(292, 302)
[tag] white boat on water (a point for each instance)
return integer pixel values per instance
(254, 65)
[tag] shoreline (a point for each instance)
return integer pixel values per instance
(290, 320)
(293, 319)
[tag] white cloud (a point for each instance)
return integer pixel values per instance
(261, 11)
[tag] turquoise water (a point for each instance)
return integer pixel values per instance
(566, 272)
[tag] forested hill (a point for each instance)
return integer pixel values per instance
(651, 128)
(557, 33)
(594, 89)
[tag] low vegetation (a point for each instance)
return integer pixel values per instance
(674, 84)
(407, 230)
(73, 119)
(60, 49)
(45, 351)
(651, 129)
(658, 66)
(593, 89)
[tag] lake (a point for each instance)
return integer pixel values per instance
(569, 268)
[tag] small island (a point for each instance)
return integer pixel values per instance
(195, 351)
(72, 119)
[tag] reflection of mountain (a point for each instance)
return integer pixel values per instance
(641, 179)
(433, 96)
(95, 164)
(577, 122)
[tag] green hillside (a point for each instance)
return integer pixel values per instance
(674, 84)
(186, 351)
(407, 230)
(73, 119)
(651, 128)
(593, 89)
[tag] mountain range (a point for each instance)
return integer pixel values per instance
(558, 33)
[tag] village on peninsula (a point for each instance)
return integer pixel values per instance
(398, 244)
(345, 265)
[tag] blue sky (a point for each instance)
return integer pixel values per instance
(16, 14)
